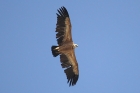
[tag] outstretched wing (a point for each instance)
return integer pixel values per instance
(68, 61)
(63, 26)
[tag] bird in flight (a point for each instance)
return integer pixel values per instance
(66, 46)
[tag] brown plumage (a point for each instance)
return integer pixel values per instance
(66, 46)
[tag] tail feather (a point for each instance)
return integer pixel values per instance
(55, 52)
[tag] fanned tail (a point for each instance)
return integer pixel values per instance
(55, 52)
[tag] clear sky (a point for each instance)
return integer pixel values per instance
(106, 31)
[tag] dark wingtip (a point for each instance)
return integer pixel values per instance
(71, 76)
(72, 81)
(62, 12)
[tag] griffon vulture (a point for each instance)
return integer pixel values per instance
(66, 46)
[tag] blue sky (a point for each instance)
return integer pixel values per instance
(108, 35)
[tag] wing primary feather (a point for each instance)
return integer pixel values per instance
(60, 13)
(71, 76)
(65, 11)
(57, 14)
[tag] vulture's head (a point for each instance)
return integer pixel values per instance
(75, 45)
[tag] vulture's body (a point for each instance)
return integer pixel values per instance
(66, 46)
